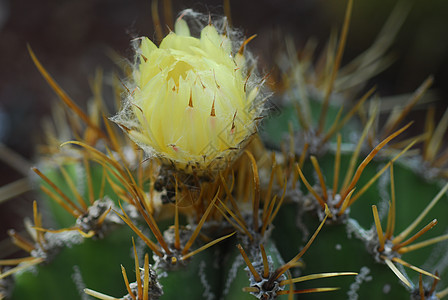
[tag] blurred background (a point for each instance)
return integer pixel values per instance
(72, 40)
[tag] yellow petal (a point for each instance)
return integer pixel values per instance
(181, 28)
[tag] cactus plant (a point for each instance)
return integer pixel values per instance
(199, 188)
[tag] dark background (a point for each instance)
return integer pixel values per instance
(72, 38)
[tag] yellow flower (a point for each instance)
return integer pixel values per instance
(191, 106)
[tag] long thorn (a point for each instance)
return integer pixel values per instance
(437, 137)
(346, 203)
(244, 228)
(75, 208)
(64, 97)
(277, 208)
(308, 291)
(292, 262)
(315, 276)
(231, 199)
(392, 124)
(420, 287)
(254, 272)
(156, 19)
(391, 215)
(320, 176)
(373, 179)
(202, 248)
(147, 241)
(269, 189)
(310, 188)
(411, 227)
(423, 244)
(371, 155)
(394, 269)
(21, 267)
(415, 236)
(89, 180)
(434, 284)
(126, 283)
(265, 262)
(303, 154)
(402, 262)
(73, 189)
(337, 165)
(336, 65)
(99, 295)
(146, 277)
(379, 230)
(199, 225)
(176, 218)
(355, 155)
(256, 196)
(339, 125)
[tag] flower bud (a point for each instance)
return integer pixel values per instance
(193, 101)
